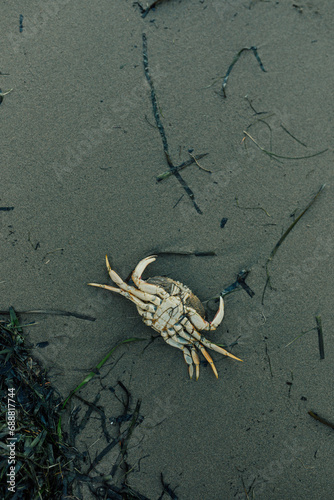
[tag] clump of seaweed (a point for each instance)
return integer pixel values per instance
(33, 463)
(37, 460)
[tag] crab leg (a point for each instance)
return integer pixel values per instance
(195, 357)
(186, 354)
(169, 313)
(183, 337)
(171, 333)
(217, 348)
(139, 303)
(141, 284)
(200, 323)
(189, 327)
(197, 343)
(207, 357)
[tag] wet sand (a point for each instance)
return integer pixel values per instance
(80, 157)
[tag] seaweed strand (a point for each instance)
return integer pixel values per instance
(282, 238)
(162, 130)
(236, 58)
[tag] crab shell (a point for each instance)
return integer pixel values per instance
(173, 310)
(167, 284)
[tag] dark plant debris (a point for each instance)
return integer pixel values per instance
(257, 57)
(320, 419)
(293, 137)
(21, 23)
(174, 169)
(223, 222)
(320, 337)
(55, 312)
(251, 208)
(91, 375)
(240, 282)
(41, 461)
(143, 11)
(48, 464)
(193, 159)
(208, 253)
(275, 156)
(167, 489)
(282, 238)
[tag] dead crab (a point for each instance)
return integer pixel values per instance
(171, 309)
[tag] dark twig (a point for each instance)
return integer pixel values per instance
(136, 420)
(320, 419)
(99, 409)
(209, 253)
(282, 238)
(167, 489)
(268, 357)
(104, 452)
(320, 337)
(55, 312)
(253, 109)
(162, 130)
(178, 201)
(239, 282)
(143, 11)
(184, 164)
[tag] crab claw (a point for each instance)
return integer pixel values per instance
(142, 265)
(219, 315)
(200, 323)
(141, 284)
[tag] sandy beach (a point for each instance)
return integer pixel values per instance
(81, 152)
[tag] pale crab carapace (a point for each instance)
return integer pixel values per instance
(171, 309)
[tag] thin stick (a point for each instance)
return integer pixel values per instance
(2, 94)
(208, 253)
(282, 238)
(293, 137)
(251, 208)
(55, 312)
(183, 165)
(200, 166)
(270, 153)
(320, 337)
(320, 419)
(240, 282)
(299, 336)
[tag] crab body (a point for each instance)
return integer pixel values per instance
(171, 309)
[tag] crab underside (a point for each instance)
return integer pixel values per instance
(171, 309)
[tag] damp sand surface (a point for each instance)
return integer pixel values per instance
(80, 155)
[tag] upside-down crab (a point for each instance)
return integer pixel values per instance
(171, 309)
